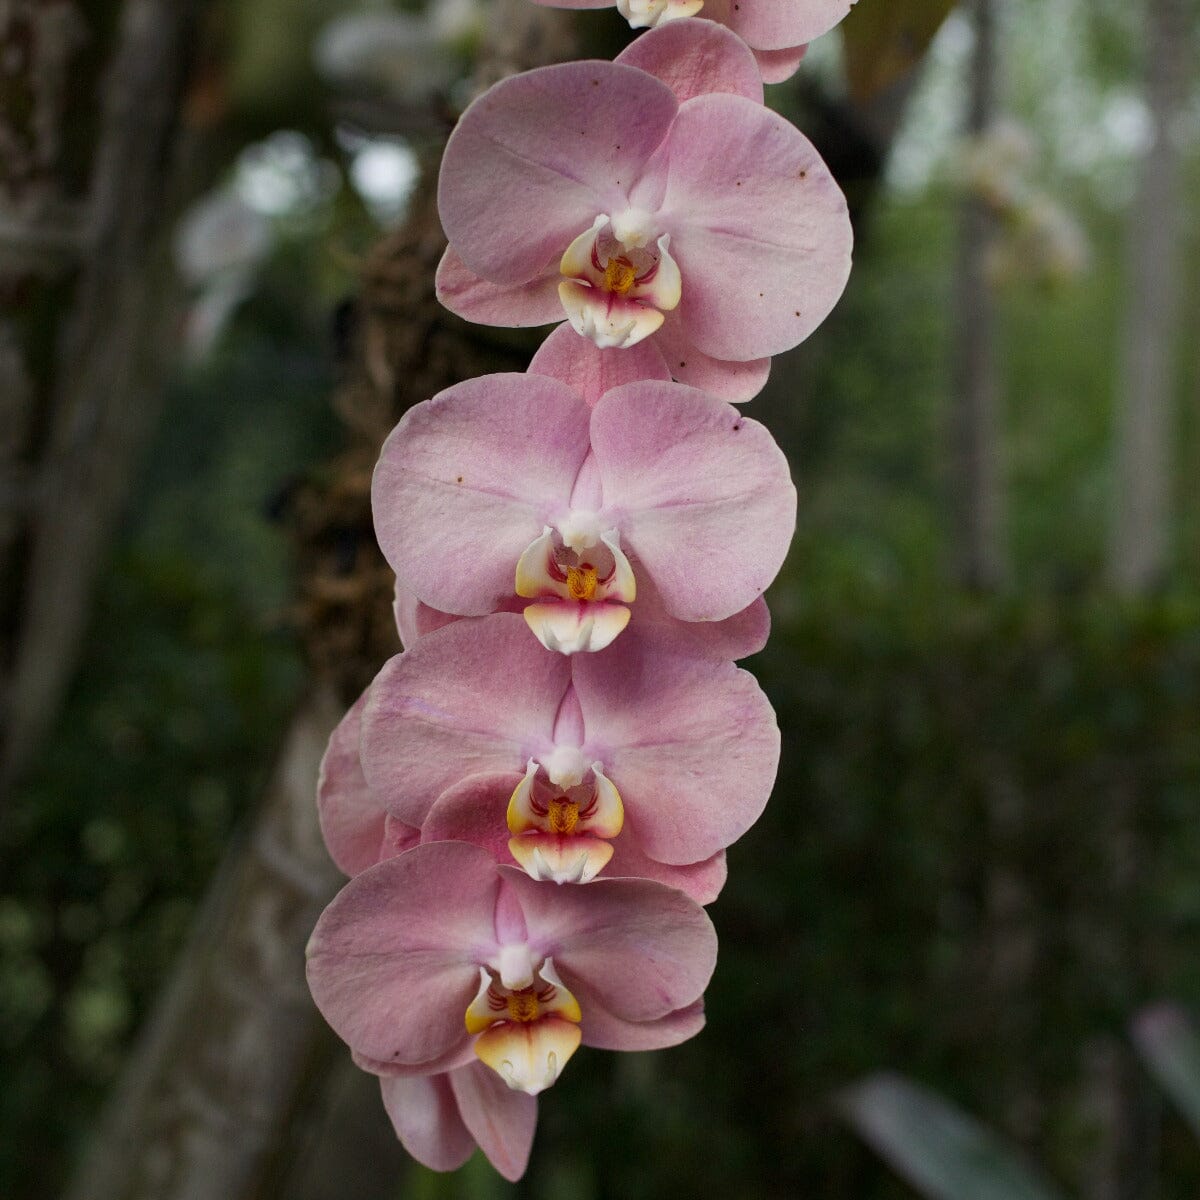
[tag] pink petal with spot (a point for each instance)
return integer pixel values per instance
(691, 744)
(468, 479)
(536, 158)
(458, 1056)
(759, 227)
(776, 24)
(392, 963)
(702, 495)
(694, 57)
(736, 382)
(425, 1116)
(511, 305)
(476, 696)
(500, 1119)
(639, 949)
(589, 371)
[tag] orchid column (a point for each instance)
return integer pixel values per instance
(535, 798)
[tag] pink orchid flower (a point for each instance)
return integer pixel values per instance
(689, 745)
(777, 31)
(557, 834)
(644, 202)
(567, 834)
(439, 957)
(512, 484)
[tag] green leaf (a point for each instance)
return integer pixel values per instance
(941, 1151)
(885, 39)
(1169, 1045)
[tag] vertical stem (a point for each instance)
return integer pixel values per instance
(1140, 536)
(980, 557)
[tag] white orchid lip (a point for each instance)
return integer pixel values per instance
(617, 287)
(581, 581)
(646, 14)
(525, 1034)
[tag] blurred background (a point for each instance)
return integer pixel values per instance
(980, 872)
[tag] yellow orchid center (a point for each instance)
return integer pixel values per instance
(523, 1005)
(582, 582)
(619, 275)
(562, 816)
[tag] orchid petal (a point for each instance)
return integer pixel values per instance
(473, 811)
(511, 305)
(641, 949)
(388, 962)
(537, 156)
(687, 471)
(460, 1054)
(778, 24)
(692, 744)
(607, 1032)
(476, 696)
(735, 382)
(702, 881)
(735, 637)
(501, 1120)
(589, 371)
(694, 58)
(425, 1116)
(762, 234)
(776, 66)
(414, 619)
(466, 480)
(351, 817)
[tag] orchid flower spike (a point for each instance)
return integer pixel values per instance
(438, 958)
(688, 744)
(653, 198)
(510, 486)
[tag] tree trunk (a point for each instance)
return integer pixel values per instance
(211, 1082)
(237, 1090)
(1140, 541)
(108, 372)
(980, 554)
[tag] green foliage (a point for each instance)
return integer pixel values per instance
(940, 1150)
(978, 860)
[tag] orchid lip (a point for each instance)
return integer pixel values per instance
(525, 1033)
(616, 288)
(564, 837)
(647, 14)
(581, 595)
